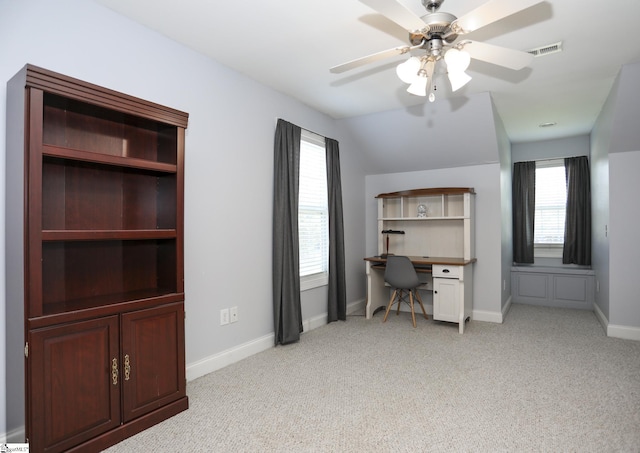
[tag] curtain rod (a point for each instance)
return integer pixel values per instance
(550, 159)
(308, 130)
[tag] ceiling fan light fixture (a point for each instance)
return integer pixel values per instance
(437, 34)
(408, 70)
(457, 60)
(419, 86)
(458, 80)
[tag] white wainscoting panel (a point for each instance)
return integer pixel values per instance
(553, 286)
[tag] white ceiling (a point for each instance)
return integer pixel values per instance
(290, 45)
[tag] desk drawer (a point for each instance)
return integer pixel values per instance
(442, 271)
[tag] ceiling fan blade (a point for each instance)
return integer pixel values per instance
(490, 12)
(397, 13)
(370, 59)
(501, 56)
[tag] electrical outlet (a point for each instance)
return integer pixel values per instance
(233, 314)
(224, 316)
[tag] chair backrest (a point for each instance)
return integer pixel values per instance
(400, 273)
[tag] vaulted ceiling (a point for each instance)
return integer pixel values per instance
(290, 45)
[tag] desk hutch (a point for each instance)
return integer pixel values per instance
(435, 228)
(94, 233)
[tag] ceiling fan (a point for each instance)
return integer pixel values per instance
(439, 35)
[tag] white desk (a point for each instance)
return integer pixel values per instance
(452, 286)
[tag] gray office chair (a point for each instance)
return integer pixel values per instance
(402, 277)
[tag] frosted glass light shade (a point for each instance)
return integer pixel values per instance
(419, 86)
(408, 70)
(457, 60)
(458, 79)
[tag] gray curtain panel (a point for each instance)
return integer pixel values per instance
(337, 303)
(287, 312)
(524, 205)
(577, 229)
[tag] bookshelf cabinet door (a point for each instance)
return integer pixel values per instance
(74, 382)
(153, 359)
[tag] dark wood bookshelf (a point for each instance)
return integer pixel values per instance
(96, 261)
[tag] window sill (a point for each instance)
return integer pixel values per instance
(562, 269)
(547, 250)
(313, 281)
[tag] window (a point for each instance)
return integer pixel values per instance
(313, 212)
(550, 210)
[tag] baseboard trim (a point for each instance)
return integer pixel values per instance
(314, 323)
(614, 330)
(356, 306)
(15, 436)
(623, 332)
(604, 322)
(237, 353)
(487, 316)
(506, 308)
(222, 359)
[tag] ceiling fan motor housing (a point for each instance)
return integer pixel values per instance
(439, 24)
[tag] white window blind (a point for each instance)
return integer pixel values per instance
(551, 199)
(313, 215)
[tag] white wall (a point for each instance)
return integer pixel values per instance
(624, 187)
(506, 208)
(599, 166)
(353, 196)
(485, 179)
(229, 163)
(624, 209)
(448, 133)
(551, 149)
(616, 156)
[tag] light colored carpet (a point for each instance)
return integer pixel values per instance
(547, 380)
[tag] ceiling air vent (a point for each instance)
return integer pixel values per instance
(546, 50)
